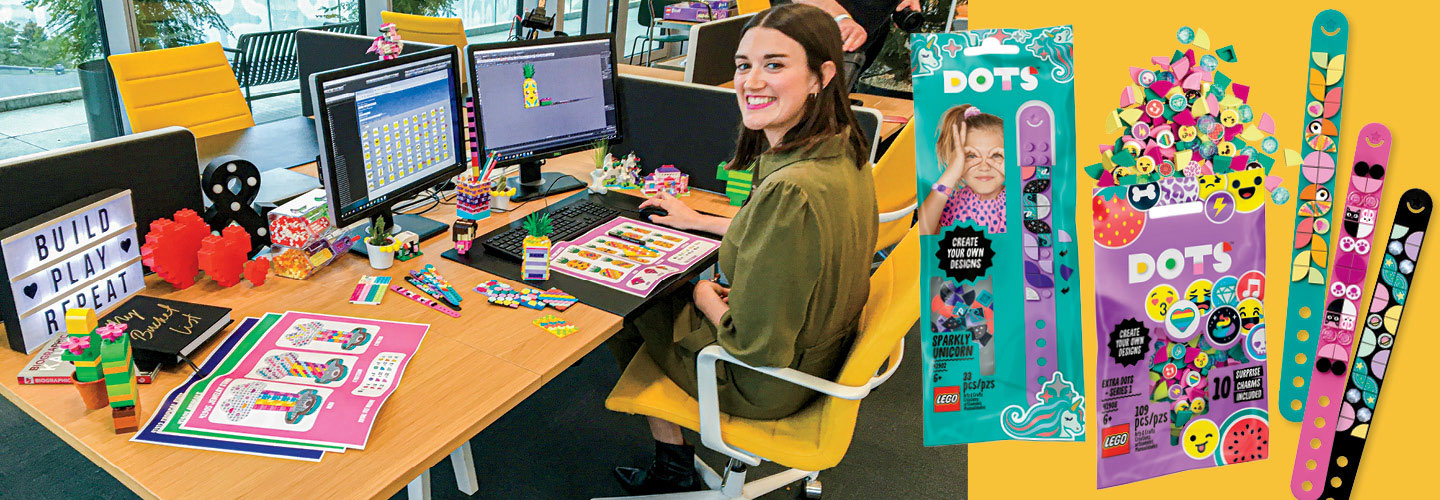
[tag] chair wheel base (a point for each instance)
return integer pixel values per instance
(812, 489)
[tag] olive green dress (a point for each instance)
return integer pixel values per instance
(798, 258)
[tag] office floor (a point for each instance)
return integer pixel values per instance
(561, 444)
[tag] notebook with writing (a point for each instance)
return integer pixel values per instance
(165, 332)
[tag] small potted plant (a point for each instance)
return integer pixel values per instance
(380, 246)
(602, 165)
(537, 247)
(500, 195)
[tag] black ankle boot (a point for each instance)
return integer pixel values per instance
(672, 471)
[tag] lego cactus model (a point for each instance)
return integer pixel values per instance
(537, 247)
(103, 355)
(532, 92)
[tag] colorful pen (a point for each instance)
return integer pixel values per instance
(430, 290)
(417, 298)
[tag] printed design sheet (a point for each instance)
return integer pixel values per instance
(629, 255)
(308, 379)
(168, 406)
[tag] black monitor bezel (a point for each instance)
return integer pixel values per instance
(327, 149)
(473, 48)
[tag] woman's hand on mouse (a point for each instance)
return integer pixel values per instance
(680, 215)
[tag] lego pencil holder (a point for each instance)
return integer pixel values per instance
(472, 197)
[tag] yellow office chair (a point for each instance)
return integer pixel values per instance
(812, 440)
(192, 87)
(751, 6)
(895, 188)
(426, 29)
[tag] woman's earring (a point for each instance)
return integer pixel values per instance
(814, 95)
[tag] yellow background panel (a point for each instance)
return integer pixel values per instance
(1390, 78)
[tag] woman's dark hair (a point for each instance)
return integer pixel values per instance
(827, 113)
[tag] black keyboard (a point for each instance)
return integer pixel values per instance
(569, 222)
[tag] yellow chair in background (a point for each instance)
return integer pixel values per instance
(750, 6)
(426, 29)
(818, 436)
(192, 87)
(895, 188)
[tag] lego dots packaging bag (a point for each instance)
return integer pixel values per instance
(995, 161)
(1179, 228)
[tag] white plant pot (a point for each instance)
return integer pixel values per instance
(499, 202)
(379, 259)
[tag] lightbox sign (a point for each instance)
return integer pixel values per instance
(84, 254)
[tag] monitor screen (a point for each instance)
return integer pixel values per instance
(544, 97)
(389, 129)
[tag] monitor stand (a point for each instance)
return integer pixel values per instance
(425, 228)
(534, 184)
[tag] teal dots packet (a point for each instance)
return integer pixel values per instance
(995, 168)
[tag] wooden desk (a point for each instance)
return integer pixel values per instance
(467, 373)
(652, 72)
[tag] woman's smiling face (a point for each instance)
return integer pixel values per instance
(772, 81)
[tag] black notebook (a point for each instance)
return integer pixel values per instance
(165, 332)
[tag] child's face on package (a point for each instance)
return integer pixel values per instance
(984, 162)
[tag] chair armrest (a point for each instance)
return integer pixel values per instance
(709, 398)
(898, 214)
(230, 50)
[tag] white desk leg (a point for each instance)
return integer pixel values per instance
(419, 489)
(464, 462)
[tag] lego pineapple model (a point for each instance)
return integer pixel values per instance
(104, 353)
(532, 91)
(537, 247)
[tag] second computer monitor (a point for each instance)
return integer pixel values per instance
(538, 99)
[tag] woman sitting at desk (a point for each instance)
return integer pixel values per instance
(797, 254)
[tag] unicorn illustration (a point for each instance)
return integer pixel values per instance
(927, 57)
(1056, 45)
(1059, 415)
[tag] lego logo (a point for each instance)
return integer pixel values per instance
(1116, 440)
(947, 398)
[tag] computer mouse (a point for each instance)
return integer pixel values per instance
(646, 212)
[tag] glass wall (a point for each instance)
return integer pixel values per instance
(41, 44)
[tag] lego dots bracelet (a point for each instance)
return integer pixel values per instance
(1035, 139)
(1377, 340)
(1329, 37)
(1337, 331)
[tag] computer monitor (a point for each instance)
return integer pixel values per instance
(710, 55)
(388, 130)
(537, 99)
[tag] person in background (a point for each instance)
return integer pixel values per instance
(798, 252)
(864, 26)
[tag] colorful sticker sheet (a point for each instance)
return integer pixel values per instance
(1319, 155)
(306, 380)
(1179, 221)
(1342, 304)
(1377, 341)
(168, 406)
(998, 269)
(630, 256)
